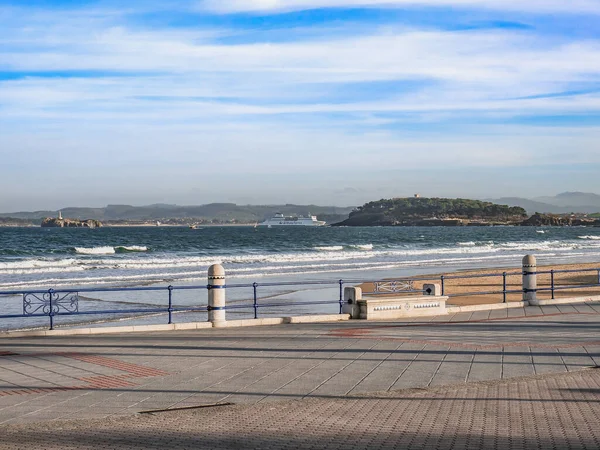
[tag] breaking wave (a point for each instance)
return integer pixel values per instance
(110, 250)
(363, 246)
(132, 248)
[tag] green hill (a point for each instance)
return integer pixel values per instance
(432, 211)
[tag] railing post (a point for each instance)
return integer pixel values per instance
(529, 278)
(442, 278)
(341, 282)
(552, 283)
(170, 308)
(598, 276)
(503, 287)
(216, 295)
(51, 310)
(254, 286)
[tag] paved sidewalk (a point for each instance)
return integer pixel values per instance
(543, 412)
(96, 377)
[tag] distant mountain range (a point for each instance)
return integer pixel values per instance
(564, 203)
(221, 212)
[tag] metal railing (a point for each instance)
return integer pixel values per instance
(553, 287)
(53, 303)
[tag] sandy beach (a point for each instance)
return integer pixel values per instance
(454, 284)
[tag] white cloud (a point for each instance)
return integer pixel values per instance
(293, 105)
(274, 6)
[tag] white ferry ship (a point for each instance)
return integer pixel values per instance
(279, 220)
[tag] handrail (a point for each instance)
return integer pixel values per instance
(64, 302)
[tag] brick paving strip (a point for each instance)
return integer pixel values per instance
(549, 411)
(92, 382)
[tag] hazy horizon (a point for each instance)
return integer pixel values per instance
(533, 199)
(329, 102)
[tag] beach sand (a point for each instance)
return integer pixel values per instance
(457, 286)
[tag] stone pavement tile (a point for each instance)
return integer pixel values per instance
(549, 309)
(352, 375)
(547, 361)
(481, 315)
(498, 314)
(533, 311)
(566, 309)
(461, 317)
(487, 365)
(422, 370)
(517, 362)
(515, 312)
(594, 352)
(289, 381)
(576, 358)
(455, 367)
(389, 371)
(584, 308)
(447, 318)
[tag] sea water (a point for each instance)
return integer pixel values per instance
(131, 256)
(43, 258)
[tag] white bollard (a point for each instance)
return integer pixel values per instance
(216, 295)
(529, 278)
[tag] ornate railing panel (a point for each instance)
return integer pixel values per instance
(386, 287)
(50, 302)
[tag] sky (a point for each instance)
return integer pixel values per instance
(330, 102)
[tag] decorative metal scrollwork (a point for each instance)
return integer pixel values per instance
(50, 303)
(384, 287)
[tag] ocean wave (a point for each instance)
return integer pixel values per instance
(95, 250)
(332, 248)
(37, 263)
(131, 248)
(363, 246)
(592, 238)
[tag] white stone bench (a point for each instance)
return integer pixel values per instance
(394, 306)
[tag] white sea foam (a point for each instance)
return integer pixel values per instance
(95, 250)
(540, 231)
(113, 269)
(37, 263)
(363, 246)
(132, 248)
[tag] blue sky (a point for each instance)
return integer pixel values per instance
(296, 101)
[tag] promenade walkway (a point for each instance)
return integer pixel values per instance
(506, 377)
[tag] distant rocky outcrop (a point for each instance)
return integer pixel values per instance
(554, 220)
(53, 222)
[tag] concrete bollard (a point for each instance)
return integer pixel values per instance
(529, 278)
(216, 295)
(432, 289)
(351, 297)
